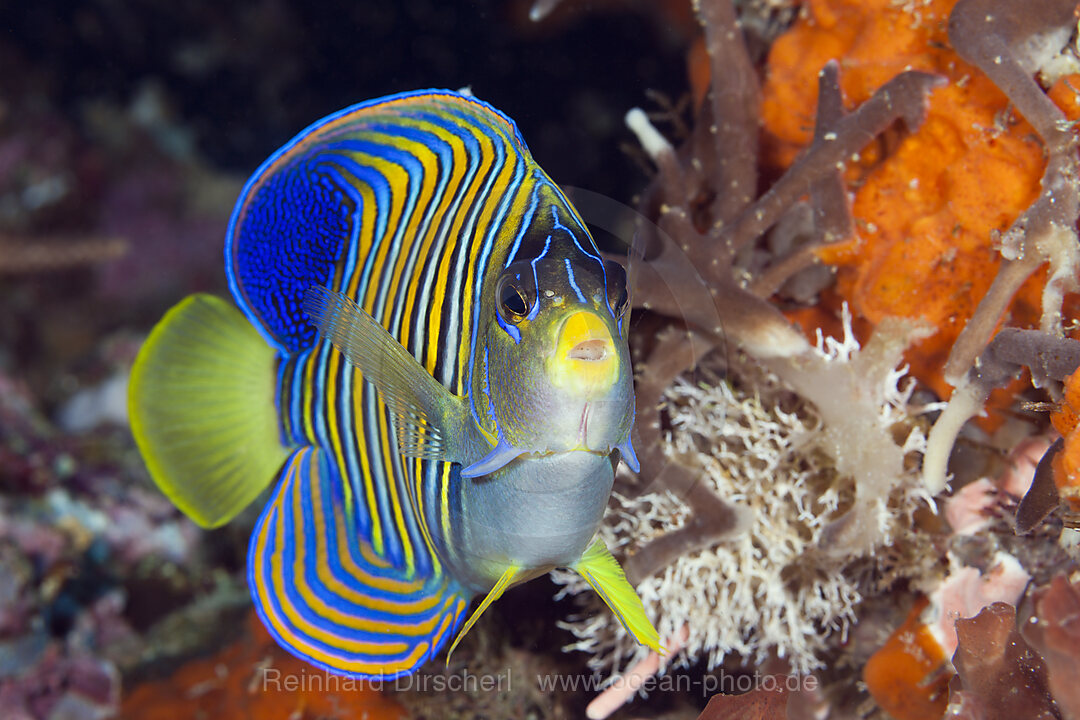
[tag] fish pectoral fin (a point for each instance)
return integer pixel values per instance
(494, 594)
(626, 451)
(499, 457)
(602, 571)
(426, 414)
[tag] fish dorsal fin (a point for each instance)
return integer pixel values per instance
(201, 403)
(602, 571)
(495, 593)
(427, 416)
(310, 206)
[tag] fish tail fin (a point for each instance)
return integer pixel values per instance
(201, 403)
(327, 597)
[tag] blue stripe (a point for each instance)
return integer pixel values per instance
(573, 283)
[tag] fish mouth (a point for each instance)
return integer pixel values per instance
(595, 350)
(584, 363)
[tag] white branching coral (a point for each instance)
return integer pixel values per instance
(819, 450)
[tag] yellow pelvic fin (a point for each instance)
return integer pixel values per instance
(602, 571)
(201, 403)
(494, 594)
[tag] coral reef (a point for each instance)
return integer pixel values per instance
(90, 561)
(784, 487)
(789, 458)
(855, 339)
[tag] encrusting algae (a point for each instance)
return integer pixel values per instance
(928, 205)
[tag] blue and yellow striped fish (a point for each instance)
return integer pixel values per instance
(430, 356)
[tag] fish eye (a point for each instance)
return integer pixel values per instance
(511, 300)
(618, 294)
(619, 307)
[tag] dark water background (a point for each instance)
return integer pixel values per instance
(246, 76)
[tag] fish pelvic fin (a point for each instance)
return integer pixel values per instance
(505, 581)
(427, 417)
(325, 594)
(201, 403)
(602, 571)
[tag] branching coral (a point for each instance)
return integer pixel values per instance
(26, 255)
(930, 211)
(953, 212)
(770, 442)
(994, 35)
(1048, 358)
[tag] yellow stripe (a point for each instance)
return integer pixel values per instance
(284, 622)
(316, 603)
(518, 209)
(431, 355)
(285, 630)
(366, 241)
(368, 474)
(388, 456)
(444, 492)
(428, 160)
(397, 177)
(333, 422)
(437, 313)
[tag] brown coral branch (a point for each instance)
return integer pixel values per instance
(832, 216)
(40, 255)
(986, 32)
(773, 277)
(712, 520)
(828, 197)
(674, 353)
(1000, 362)
(735, 97)
(903, 97)
(671, 284)
(980, 328)
(1048, 357)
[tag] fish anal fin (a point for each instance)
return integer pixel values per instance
(601, 570)
(324, 593)
(494, 594)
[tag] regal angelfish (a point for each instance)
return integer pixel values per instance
(430, 357)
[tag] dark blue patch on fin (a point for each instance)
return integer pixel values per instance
(327, 597)
(286, 234)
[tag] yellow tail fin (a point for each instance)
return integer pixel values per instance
(201, 402)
